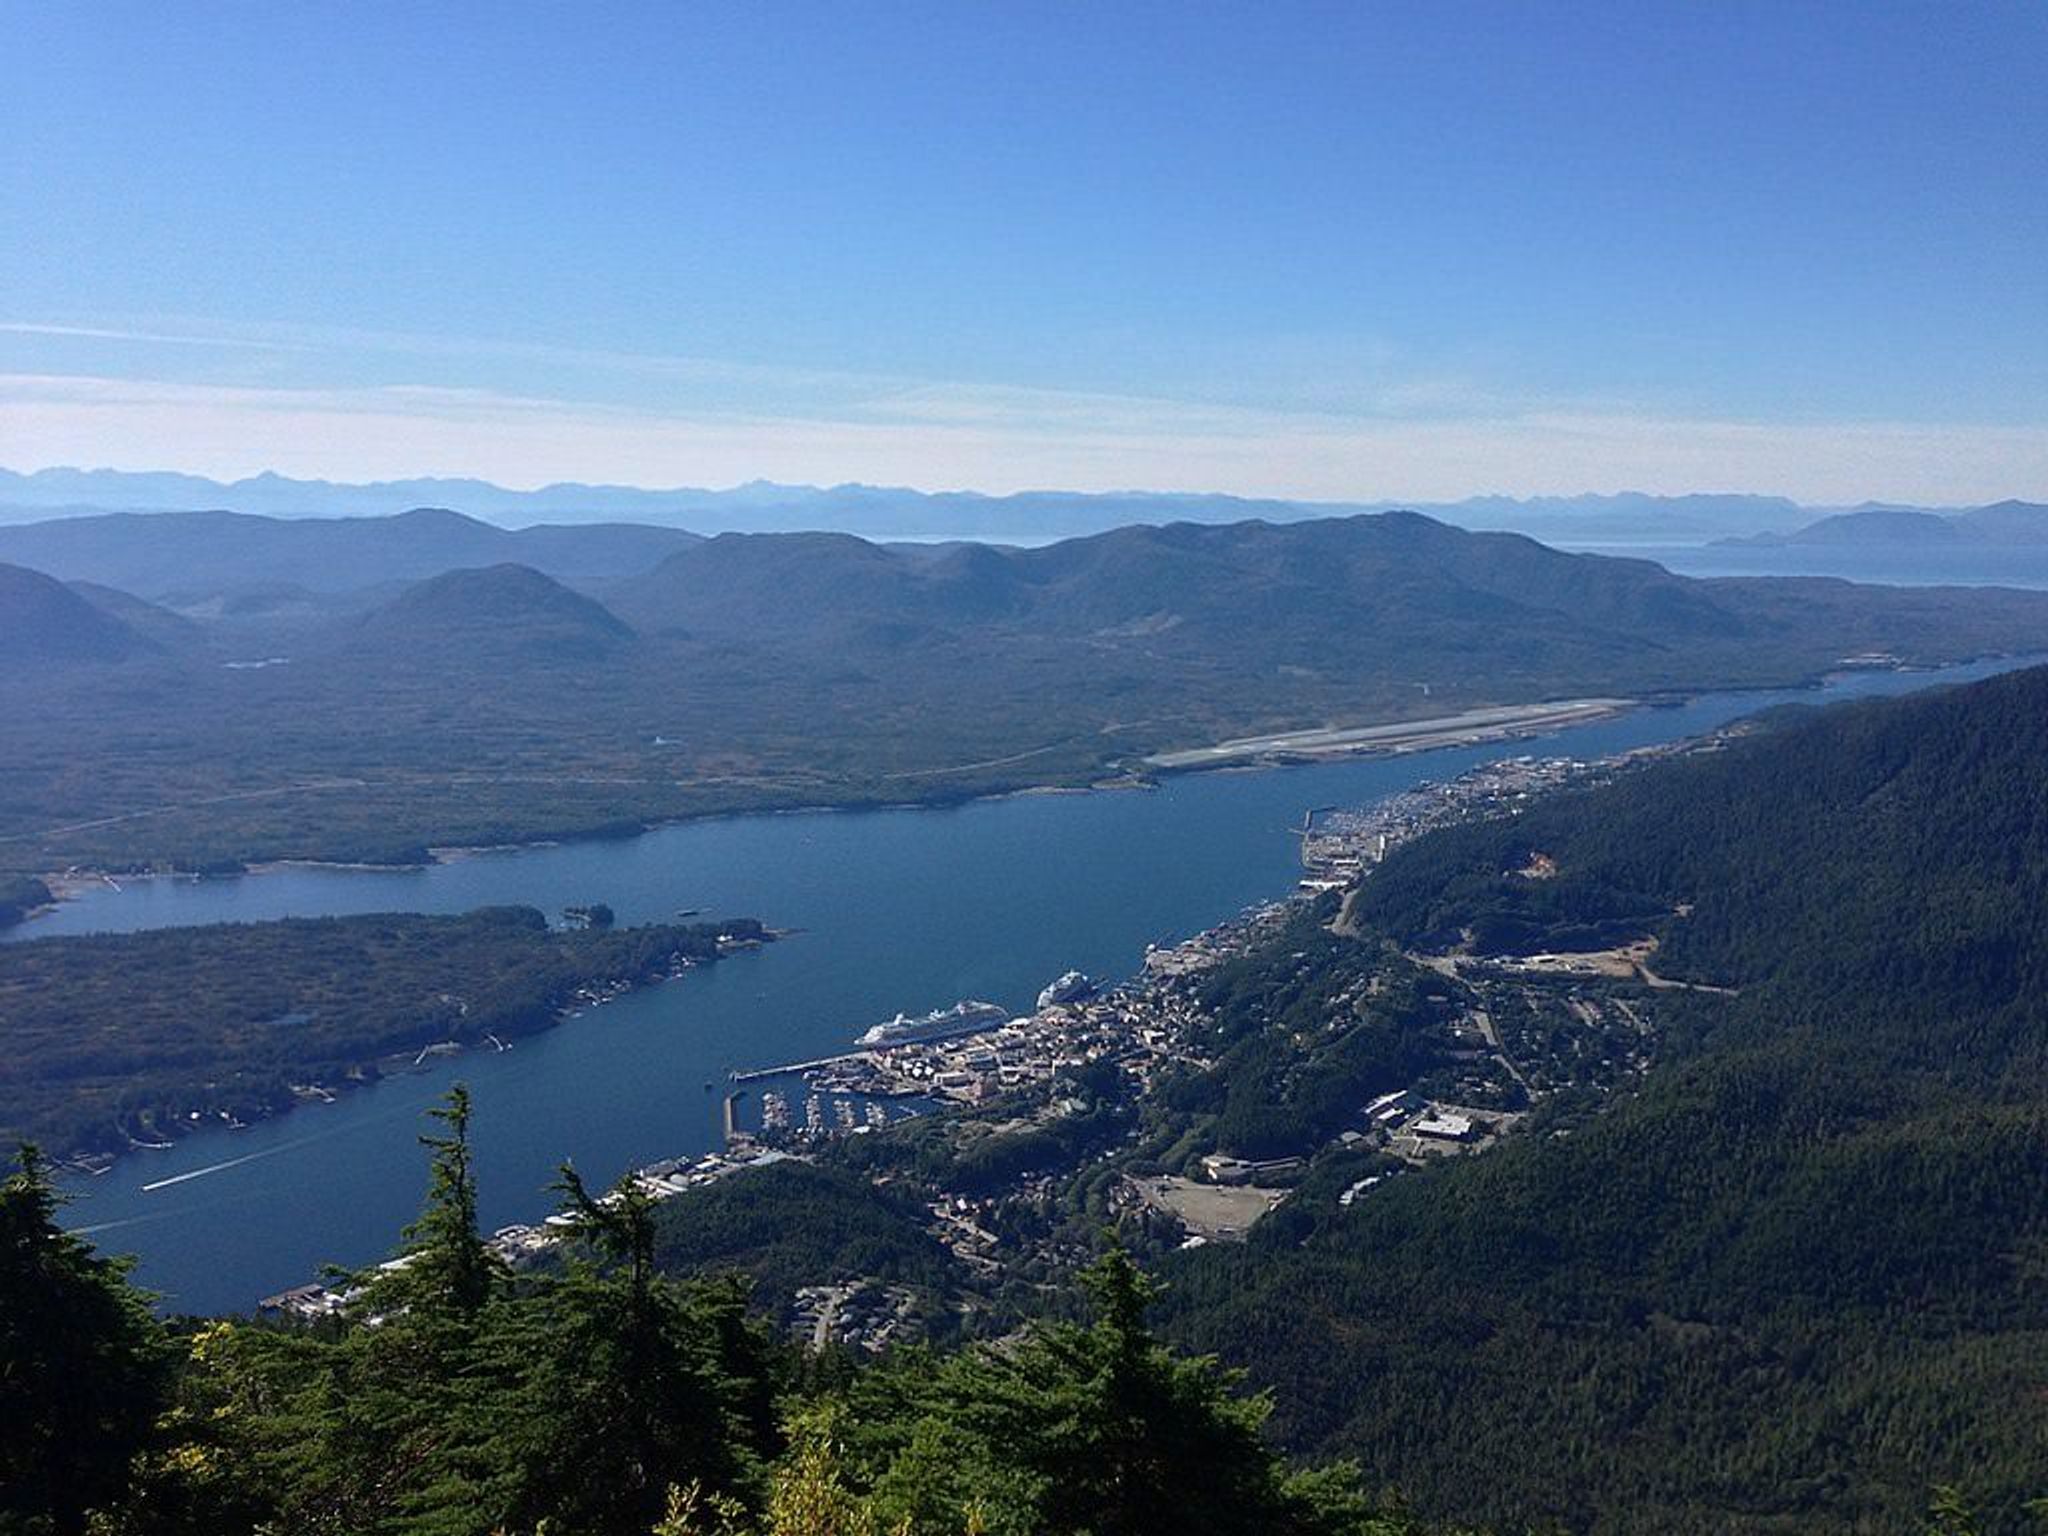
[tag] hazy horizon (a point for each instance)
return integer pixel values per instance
(768, 483)
(1035, 516)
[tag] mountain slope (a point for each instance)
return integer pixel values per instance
(2005, 523)
(1214, 576)
(1797, 1277)
(42, 621)
(1880, 527)
(499, 613)
(775, 585)
(155, 624)
(1347, 594)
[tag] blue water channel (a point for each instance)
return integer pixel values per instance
(897, 910)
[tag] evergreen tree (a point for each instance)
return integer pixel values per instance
(448, 1269)
(1099, 1430)
(630, 1384)
(84, 1369)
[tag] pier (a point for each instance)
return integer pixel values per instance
(790, 1068)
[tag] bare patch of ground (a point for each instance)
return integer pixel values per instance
(1220, 1212)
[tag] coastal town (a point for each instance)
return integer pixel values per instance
(1514, 1032)
(1340, 844)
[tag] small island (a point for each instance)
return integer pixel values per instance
(115, 1041)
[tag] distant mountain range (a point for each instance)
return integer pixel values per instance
(2009, 524)
(874, 511)
(191, 556)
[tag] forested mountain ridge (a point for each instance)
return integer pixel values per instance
(1182, 585)
(769, 671)
(1797, 1275)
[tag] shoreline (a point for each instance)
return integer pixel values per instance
(81, 880)
(1241, 758)
(396, 1064)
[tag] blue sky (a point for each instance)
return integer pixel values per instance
(1419, 250)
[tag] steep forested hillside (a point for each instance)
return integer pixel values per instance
(1803, 1272)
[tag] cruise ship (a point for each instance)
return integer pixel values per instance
(941, 1023)
(1070, 988)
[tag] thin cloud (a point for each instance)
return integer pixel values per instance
(164, 338)
(351, 342)
(999, 441)
(1371, 380)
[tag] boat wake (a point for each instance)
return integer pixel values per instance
(233, 1162)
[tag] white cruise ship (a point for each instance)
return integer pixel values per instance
(963, 1018)
(1070, 988)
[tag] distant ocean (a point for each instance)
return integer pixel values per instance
(1898, 565)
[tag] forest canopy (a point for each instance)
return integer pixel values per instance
(118, 1038)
